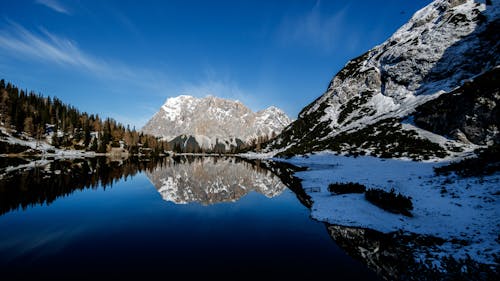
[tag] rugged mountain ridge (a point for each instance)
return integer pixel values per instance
(213, 123)
(445, 44)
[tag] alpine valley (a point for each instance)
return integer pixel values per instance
(392, 173)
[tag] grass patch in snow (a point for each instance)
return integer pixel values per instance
(390, 201)
(345, 188)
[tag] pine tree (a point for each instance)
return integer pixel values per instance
(93, 146)
(55, 140)
(29, 128)
(102, 147)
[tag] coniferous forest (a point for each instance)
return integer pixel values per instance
(27, 115)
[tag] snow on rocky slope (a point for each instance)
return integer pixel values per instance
(213, 120)
(445, 44)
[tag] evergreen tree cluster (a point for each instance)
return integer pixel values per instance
(390, 201)
(346, 188)
(27, 114)
(486, 163)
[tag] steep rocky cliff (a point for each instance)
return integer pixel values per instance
(366, 106)
(470, 113)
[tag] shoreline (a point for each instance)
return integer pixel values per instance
(451, 222)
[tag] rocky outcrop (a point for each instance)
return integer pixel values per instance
(470, 113)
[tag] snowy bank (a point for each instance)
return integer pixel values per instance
(452, 208)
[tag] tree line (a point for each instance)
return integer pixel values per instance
(27, 114)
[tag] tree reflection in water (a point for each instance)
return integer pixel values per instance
(42, 182)
(212, 179)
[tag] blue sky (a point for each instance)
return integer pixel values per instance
(123, 59)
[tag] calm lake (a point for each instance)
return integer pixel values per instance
(208, 216)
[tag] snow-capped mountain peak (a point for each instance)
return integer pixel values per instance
(211, 120)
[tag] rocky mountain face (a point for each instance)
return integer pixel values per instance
(213, 123)
(212, 180)
(368, 105)
(470, 113)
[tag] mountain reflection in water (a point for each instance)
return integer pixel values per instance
(105, 217)
(180, 179)
(210, 180)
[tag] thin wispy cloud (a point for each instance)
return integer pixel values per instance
(118, 79)
(54, 5)
(126, 22)
(317, 29)
(44, 46)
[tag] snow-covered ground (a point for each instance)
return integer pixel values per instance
(45, 148)
(446, 207)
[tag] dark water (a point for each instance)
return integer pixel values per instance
(184, 217)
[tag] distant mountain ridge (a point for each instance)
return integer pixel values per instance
(213, 123)
(368, 106)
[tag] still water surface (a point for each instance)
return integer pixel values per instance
(184, 217)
